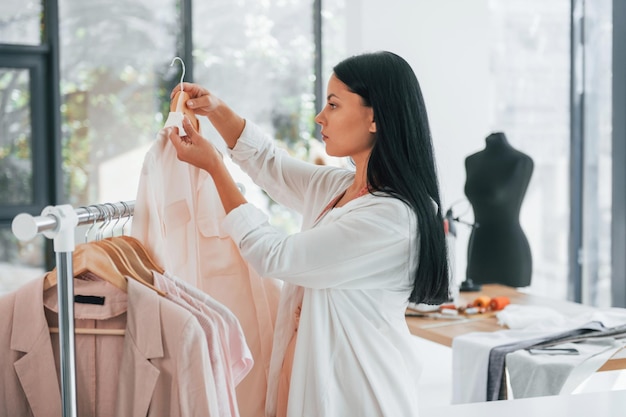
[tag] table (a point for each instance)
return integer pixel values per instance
(442, 331)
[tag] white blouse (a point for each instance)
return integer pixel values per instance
(352, 271)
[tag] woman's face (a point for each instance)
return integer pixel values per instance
(348, 126)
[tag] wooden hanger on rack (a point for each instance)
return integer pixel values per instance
(125, 265)
(91, 258)
(124, 257)
(132, 257)
(142, 253)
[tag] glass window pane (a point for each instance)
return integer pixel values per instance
(530, 63)
(115, 70)
(597, 179)
(19, 261)
(16, 168)
(258, 57)
(334, 37)
(20, 22)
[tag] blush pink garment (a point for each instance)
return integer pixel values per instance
(213, 326)
(238, 355)
(177, 217)
(285, 373)
(160, 367)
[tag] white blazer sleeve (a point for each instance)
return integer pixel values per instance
(357, 250)
(285, 178)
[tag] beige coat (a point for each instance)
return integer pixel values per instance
(164, 368)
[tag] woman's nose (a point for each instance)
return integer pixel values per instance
(318, 118)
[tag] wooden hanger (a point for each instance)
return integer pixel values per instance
(184, 109)
(132, 258)
(93, 259)
(143, 254)
(104, 332)
(124, 264)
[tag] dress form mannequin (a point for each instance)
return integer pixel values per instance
(497, 179)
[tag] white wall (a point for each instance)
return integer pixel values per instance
(445, 41)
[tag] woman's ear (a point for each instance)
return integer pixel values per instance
(372, 127)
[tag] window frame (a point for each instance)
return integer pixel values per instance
(32, 59)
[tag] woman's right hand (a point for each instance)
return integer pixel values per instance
(194, 149)
(201, 101)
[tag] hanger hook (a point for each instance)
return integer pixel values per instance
(95, 218)
(182, 77)
(106, 220)
(88, 219)
(114, 212)
(127, 214)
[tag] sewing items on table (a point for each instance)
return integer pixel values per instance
(481, 305)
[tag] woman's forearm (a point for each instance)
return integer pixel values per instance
(229, 193)
(227, 123)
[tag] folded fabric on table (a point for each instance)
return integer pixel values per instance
(539, 374)
(496, 386)
(529, 325)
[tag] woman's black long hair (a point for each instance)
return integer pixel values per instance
(402, 161)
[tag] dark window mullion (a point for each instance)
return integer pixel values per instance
(577, 105)
(33, 60)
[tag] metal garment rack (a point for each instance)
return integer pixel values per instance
(59, 223)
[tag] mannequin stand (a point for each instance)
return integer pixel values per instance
(468, 286)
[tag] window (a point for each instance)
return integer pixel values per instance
(597, 154)
(258, 57)
(530, 63)
(24, 156)
(115, 82)
(20, 22)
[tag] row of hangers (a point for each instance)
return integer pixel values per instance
(113, 259)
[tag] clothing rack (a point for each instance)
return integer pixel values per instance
(59, 223)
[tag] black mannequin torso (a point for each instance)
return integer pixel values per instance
(497, 179)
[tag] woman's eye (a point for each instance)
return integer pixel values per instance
(332, 105)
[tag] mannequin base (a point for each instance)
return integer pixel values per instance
(469, 286)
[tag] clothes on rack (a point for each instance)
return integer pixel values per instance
(217, 338)
(239, 357)
(177, 218)
(160, 367)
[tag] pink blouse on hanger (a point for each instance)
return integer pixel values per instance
(177, 217)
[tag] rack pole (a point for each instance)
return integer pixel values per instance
(65, 291)
(63, 235)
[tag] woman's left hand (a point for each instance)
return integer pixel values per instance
(193, 148)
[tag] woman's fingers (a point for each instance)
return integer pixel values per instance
(201, 101)
(193, 90)
(202, 104)
(188, 126)
(192, 148)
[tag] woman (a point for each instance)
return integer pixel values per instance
(371, 240)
